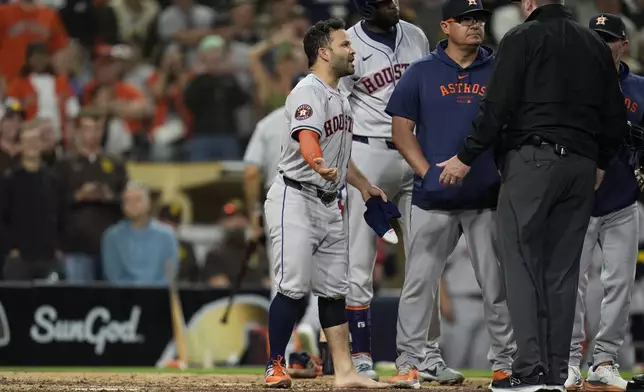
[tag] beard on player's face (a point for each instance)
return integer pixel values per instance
(342, 65)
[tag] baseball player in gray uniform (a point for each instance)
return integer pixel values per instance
(614, 227)
(308, 235)
(385, 46)
(261, 158)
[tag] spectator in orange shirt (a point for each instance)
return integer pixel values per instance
(113, 97)
(23, 22)
(171, 118)
(44, 94)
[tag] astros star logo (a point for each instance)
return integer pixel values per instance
(303, 112)
(601, 20)
(471, 2)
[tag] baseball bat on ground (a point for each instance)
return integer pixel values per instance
(178, 321)
(325, 356)
(250, 249)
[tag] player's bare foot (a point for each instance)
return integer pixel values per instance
(355, 380)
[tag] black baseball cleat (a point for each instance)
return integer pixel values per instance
(532, 383)
(636, 384)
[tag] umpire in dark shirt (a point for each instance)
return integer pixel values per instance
(555, 111)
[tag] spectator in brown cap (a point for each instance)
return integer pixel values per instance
(10, 123)
(171, 214)
(93, 182)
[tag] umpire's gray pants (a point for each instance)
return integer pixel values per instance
(434, 235)
(617, 234)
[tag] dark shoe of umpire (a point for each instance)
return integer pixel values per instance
(532, 383)
(637, 384)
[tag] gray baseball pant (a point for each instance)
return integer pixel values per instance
(434, 235)
(617, 234)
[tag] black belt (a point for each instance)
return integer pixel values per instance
(326, 197)
(538, 141)
(365, 140)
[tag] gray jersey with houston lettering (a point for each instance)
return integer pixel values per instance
(378, 69)
(313, 105)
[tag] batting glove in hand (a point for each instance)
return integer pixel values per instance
(378, 215)
(639, 175)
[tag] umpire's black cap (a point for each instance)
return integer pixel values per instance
(610, 26)
(454, 9)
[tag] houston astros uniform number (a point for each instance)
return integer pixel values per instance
(307, 232)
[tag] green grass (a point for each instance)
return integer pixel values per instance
(384, 371)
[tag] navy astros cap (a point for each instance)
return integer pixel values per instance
(609, 24)
(453, 9)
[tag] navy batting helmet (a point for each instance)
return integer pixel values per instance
(366, 8)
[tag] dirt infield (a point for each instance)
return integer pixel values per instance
(164, 382)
